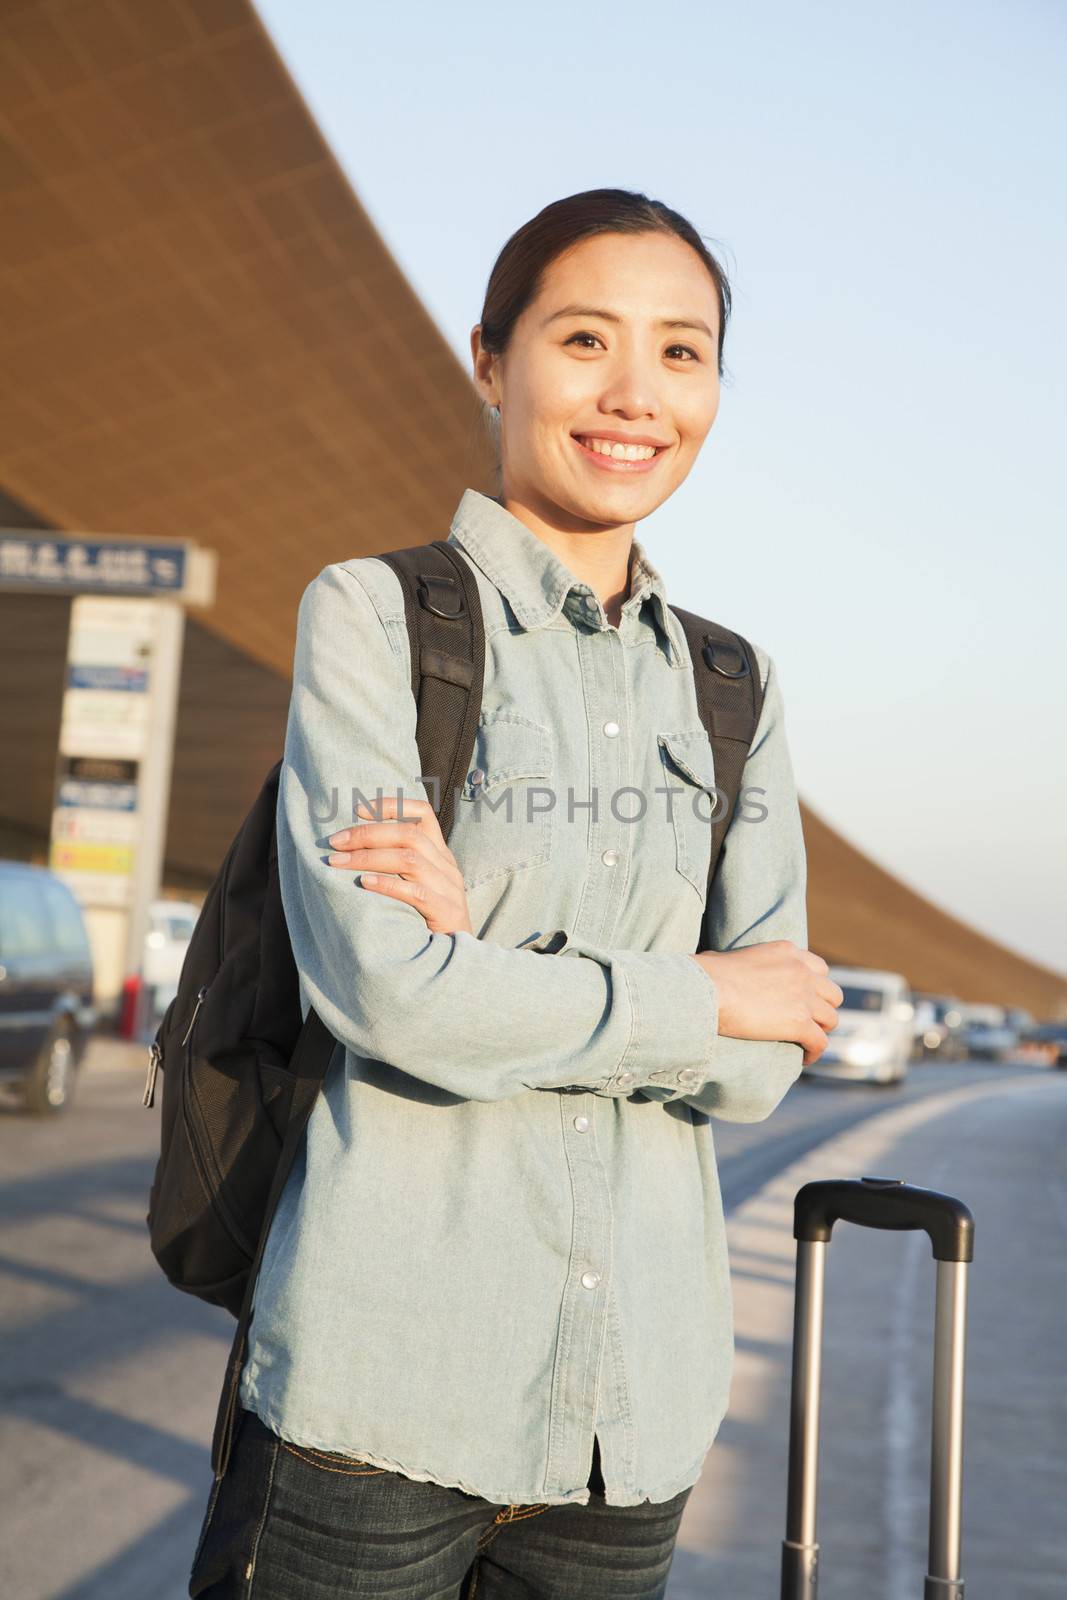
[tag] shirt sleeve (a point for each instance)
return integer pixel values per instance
(759, 894)
(478, 1019)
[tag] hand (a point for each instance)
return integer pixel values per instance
(774, 991)
(413, 848)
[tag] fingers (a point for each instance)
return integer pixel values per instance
(425, 876)
(825, 1015)
(826, 997)
(440, 900)
(401, 859)
(810, 959)
(413, 862)
(397, 812)
(351, 843)
(814, 1041)
(403, 872)
(404, 808)
(815, 962)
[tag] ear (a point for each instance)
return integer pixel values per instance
(485, 365)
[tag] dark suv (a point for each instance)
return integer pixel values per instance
(46, 985)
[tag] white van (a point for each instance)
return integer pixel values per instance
(170, 927)
(873, 1038)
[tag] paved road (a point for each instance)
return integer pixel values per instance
(110, 1378)
(1001, 1144)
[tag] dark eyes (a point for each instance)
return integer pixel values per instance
(684, 347)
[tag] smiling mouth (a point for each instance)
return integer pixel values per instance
(615, 456)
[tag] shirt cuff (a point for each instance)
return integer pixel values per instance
(674, 1008)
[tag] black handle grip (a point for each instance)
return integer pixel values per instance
(884, 1203)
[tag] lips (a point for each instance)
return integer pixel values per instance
(612, 437)
(612, 463)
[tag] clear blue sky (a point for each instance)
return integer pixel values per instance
(881, 500)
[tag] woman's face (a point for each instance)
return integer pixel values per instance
(611, 371)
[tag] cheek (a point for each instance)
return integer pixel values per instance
(560, 394)
(533, 416)
(696, 421)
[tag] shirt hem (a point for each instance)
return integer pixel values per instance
(315, 1441)
(580, 1496)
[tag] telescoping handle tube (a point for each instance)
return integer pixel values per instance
(878, 1203)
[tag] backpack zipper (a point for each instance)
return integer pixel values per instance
(202, 1153)
(155, 1054)
(199, 1002)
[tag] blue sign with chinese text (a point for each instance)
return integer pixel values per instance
(45, 561)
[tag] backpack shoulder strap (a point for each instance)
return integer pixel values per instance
(445, 633)
(729, 699)
(447, 647)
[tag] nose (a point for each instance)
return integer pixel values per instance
(632, 391)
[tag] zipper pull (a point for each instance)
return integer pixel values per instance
(155, 1056)
(192, 1019)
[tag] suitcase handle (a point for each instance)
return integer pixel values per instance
(884, 1203)
(878, 1203)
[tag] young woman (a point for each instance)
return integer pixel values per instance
(492, 1336)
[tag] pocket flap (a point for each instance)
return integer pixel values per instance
(507, 747)
(691, 752)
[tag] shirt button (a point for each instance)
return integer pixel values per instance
(590, 1280)
(689, 1075)
(582, 1124)
(624, 1079)
(610, 858)
(611, 729)
(477, 775)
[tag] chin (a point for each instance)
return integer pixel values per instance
(625, 503)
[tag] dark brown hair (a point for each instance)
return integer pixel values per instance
(519, 269)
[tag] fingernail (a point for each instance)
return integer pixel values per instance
(339, 858)
(368, 877)
(339, 838)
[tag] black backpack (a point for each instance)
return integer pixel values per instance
(241, 1067)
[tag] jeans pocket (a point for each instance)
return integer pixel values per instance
(236, 1513)
(212, 1502)
(332, 1461)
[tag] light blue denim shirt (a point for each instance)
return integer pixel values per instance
(504, 1233)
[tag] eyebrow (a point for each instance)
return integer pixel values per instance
(611, 316)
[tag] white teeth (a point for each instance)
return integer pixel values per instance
(618, 452)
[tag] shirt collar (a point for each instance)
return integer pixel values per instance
(536, 583)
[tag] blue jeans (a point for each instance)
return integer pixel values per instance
(289, 1523)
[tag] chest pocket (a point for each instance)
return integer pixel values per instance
(505, 813)
(689, 771)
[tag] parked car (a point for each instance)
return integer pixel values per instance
(986, 1033)
(46, 985)
(1045, 1044)
(170, 927)
(942, 1040)
(927, 1033)
(873, 1038)
(147, 993)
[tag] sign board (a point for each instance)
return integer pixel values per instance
(95, 564)
(113, 769)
